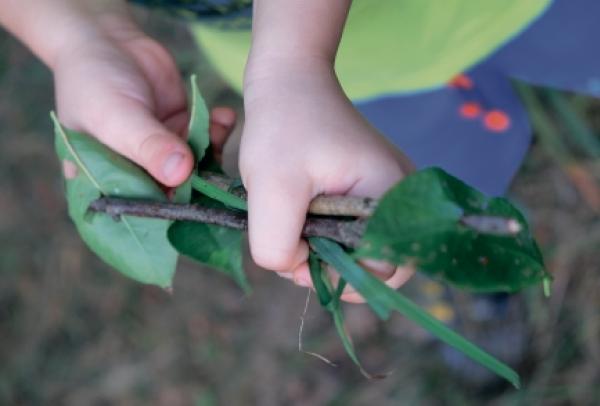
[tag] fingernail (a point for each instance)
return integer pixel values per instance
(171, 164)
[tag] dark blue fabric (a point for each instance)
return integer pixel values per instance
(428, 127)
(560, 49)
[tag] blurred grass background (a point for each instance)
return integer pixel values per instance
(74, 332)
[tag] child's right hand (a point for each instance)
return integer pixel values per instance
(126, 90)
(302, 138)
(112, 81)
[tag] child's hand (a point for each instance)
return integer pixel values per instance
(126, 91)
(112, 81)
(302, 138)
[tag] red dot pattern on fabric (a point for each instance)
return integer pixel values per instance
(496, 121)
(470, 110)
(461, 81)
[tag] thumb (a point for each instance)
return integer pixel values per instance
(133, 131)
(277, 206)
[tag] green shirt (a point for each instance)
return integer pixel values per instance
(396, 46)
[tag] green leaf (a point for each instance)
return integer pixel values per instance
(420, 221)
(211, 245)
(198, 138)
(381, 297)
(137, 247)
(214, 246)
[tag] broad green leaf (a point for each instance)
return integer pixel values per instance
(211, 245)
(198, 138)
(137, 247)
(214, 246)
(419, 221)
(383, 299)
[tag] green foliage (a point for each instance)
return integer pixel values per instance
(419, 221)
(211, 245)
(198, 139)
(213, 192)
(215, 246)
(383, 300)
(137, 247)
(198, 136)
(330, 300)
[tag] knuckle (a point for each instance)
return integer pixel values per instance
(142, 149)
(147, 150)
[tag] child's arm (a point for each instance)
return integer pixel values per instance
(111, 80)
(302, 136)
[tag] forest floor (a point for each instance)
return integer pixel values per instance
(74, 332)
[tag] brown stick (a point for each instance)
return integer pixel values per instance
(347, 232)
(350, 206)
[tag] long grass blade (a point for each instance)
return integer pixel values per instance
(379, 296)
(324, 288)
(220, 195)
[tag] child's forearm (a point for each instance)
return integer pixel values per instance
(51, 27)
(295, 31)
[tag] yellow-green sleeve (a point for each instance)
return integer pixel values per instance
(396, 46)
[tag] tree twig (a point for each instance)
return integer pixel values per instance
(347, 232)
(350, 206)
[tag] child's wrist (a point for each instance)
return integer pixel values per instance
(87, 23)
(263, 71)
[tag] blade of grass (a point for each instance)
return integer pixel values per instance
(335, 301)
(383, 299)
(353, 274)
(545, 131)
(324, 288)
(220, 195)
(555, 147)
(314, 266)
(578, 130)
